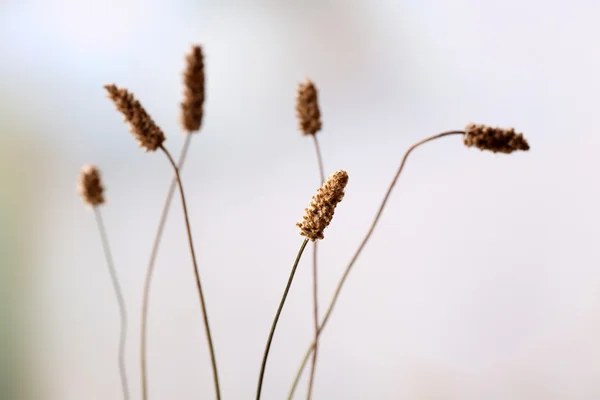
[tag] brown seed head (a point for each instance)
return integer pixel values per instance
(320, 212)
(192, 107)
(307, 108)
(144, 129)
(496, 140)
(89, 186)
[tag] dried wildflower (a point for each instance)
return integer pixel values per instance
(144, 129)
(89, 186)
(307, 108)
(192, 107)
(496, 140)
(320, 212)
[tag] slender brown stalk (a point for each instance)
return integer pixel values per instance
(315, 281)
(120, 301)
(151, 263)
(277, 314)
(196, 274)
(359, 250)
(319, 159)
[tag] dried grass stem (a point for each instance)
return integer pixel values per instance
(359, 250)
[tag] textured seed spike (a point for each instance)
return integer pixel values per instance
(144, 129)
(322, 207)
(307, 108)
(89, 186)
(192, 107)
(497, 140)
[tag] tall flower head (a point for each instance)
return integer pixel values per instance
(497, 140)
(144, 129)
(89, 186)
(307, 108)
(192, 107)
(320, 212)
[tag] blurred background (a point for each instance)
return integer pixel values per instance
(482, 280)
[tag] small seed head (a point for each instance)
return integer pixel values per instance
(320, 212)
(144, 129)
(307, 108)
(192, 107)
(89, 186)
(496, 140)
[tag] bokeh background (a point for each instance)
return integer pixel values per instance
(482, 280)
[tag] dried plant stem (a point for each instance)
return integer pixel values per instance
(319, 159)
(315, 282)
(197, 275)
(120, 301)
(277, 314)
(150, 268)
(359, 250)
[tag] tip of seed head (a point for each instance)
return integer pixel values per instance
(192, 107)
(307, 108)
(320, 212)
(141, 125)
(494, 139)
(89, 186)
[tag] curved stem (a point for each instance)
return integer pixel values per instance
(120, 300)
(277, 314)
(197, 276)
(315, 283)
(360, 249)
(150, 269)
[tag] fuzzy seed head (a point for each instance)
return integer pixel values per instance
(496, 140)
(320, 212)
(89, 186)
(144, 129)
(307, 108)
(192, 107)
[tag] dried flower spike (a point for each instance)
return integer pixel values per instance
(496, 140)
(192, 107)
(89, 186)
(144, 129)
(307, 108)
(320, 212)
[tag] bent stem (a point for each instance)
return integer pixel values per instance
(120, 301)
(277, 314)
(197, 275)
(315, 283)
(150, 269)
(360, 249)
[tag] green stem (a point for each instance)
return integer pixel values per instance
(277, 314)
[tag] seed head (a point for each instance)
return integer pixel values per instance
(144, 129)
(192, 107)
(307, 108)
(320, 212)
(496, 140)
(89, 186)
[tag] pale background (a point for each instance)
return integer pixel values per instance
(482, 280)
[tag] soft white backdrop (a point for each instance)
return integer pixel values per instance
(483, 277)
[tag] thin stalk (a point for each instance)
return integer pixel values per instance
(319, 159)
(120, 301)
(360, 249)
(150, 269)
(315, 282)
(197, 275)
(277, 314)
